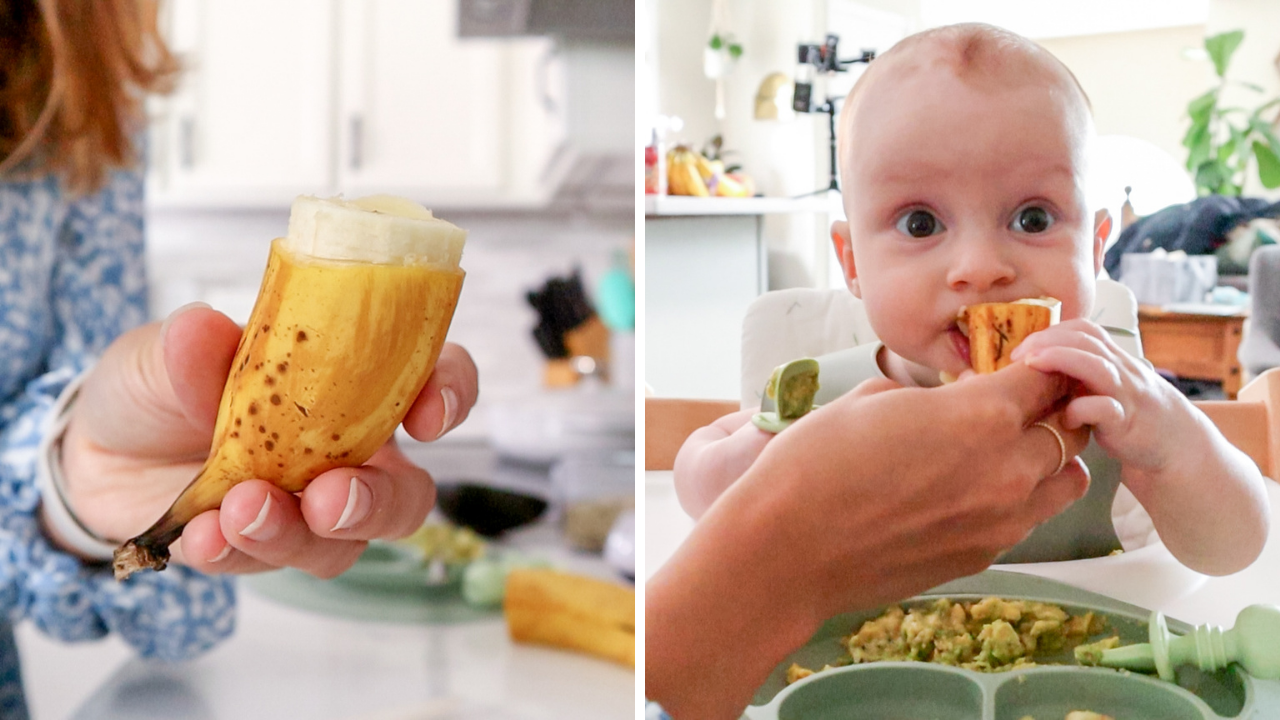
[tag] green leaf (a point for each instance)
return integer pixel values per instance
(1256, 115)
(1229, 146)
(1213, 176)
(1221, 47)
(735, 51)
(1251, 86)
(1273, 140)
(1197, 143)
(1268, 165)
(1200, 108)
(1195, 132)
(716, 42)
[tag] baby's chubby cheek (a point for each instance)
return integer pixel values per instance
(1077, 299)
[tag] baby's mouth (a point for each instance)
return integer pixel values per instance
(960, 341)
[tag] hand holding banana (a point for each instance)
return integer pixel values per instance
(141, 431)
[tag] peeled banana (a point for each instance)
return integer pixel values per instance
(569, 611)
(995, 329)
(350, 319)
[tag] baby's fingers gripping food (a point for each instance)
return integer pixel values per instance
(350, 319)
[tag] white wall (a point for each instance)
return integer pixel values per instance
(784, 158)
(1138, 80)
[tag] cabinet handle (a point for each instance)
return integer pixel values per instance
(187, 142)
(357, 142)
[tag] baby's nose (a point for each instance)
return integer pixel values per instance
(978, 265)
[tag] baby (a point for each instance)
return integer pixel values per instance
(962, 154)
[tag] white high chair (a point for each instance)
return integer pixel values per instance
(784, 325)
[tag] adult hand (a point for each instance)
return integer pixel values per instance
(875, 497)
(142, 428)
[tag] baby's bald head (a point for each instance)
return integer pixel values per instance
(979, 55)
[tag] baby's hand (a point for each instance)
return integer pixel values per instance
(715, 456)
(712, 458)
(1135, 414)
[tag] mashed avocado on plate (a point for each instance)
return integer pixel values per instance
(988, 635)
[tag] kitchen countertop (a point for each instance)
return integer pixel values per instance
(1216, 602)
(283, 661)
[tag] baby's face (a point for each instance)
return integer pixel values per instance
(960, 193)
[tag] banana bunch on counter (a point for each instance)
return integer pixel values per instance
(690, 173)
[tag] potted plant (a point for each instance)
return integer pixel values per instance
(1222, 140)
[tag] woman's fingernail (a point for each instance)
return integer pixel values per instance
(164, 326)
(260, 530)
(450, 400)
(359, 499)
(226, 550)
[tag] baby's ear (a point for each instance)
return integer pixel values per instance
(1101, 231)
(844, 252)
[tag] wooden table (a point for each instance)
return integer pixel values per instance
(1193, 345)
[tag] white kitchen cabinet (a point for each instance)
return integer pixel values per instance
(249, 122)
(284, 97)
(706, 261)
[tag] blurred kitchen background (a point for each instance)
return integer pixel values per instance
(512, 119)
(1140, 61)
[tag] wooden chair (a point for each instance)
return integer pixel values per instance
(1251, 423)
(668, 421)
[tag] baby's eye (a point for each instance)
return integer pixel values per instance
(1031, 220)
(919, 224)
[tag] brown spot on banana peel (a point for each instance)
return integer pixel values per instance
(367, 344)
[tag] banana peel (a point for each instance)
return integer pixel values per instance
(350, 319)
(995, 329)
(572, 612)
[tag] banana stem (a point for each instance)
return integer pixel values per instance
(148, 550)
(134, 556)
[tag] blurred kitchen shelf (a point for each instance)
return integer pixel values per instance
(674, 205)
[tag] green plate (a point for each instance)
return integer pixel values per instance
(875, 691)
(388, 583)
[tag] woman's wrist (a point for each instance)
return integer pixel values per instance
(706, 597)
(59, 522)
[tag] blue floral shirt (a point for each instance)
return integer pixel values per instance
(72, 279)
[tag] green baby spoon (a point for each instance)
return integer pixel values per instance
(791, 388)
(1254, 642)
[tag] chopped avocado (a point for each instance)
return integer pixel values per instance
(792, 387)
(1091, 654)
